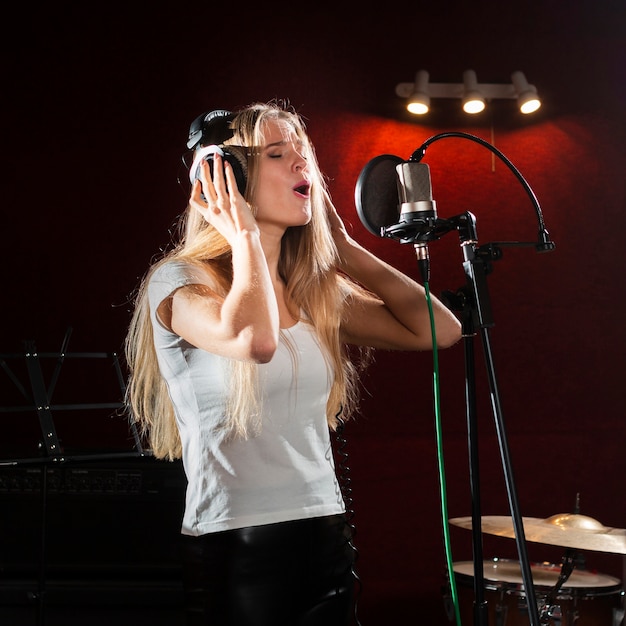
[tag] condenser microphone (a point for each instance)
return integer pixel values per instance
(418, 210)
(394, 199)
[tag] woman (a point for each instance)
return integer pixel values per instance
(239, 361)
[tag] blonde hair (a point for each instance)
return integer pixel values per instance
(308, 267)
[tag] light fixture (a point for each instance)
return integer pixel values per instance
(419, 100)
(527, 98)
(473, 99)
(473, 95)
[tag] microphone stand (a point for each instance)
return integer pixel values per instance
(473, 300)
(419, 226)
(458, 301)
(477, 317)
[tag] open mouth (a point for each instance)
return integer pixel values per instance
(303, 189)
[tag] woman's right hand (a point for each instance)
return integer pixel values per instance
(219, 200)
(244, 324)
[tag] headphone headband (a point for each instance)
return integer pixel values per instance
(210, 128)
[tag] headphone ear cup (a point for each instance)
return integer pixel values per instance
(238, 159)
(235, 155)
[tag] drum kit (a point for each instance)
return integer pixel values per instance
(566, 596)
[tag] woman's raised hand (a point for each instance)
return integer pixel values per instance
(219, 200)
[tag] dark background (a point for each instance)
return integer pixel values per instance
(97, 102)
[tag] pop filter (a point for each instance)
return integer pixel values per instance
(376, 193)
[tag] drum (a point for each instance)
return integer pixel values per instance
(585, 599)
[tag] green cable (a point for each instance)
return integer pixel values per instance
(442, 475)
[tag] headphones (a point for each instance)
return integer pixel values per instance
(207, 135)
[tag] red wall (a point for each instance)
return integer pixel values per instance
(98, 111)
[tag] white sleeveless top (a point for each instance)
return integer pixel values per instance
(284, 473)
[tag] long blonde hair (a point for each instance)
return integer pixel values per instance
(308, 267)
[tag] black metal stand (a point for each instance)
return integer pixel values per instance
(468, 329)
(473, 301)
(39, 400)
(418, 224)
(477, 317)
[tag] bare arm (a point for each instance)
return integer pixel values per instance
(245, 324)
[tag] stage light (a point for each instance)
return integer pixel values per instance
(419, 100)
(527, 99)
(473, 99)
(473, 95)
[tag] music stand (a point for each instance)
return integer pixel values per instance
(39, 399)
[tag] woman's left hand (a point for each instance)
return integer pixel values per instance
(338, 229)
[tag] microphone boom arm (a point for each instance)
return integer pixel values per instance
(544, 243)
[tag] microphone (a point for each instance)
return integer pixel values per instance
(418, 210)
(394, 199)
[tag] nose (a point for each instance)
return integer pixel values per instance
(299, 162)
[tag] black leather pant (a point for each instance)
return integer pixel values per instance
(287, 574)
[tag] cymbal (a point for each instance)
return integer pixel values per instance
(569, 530)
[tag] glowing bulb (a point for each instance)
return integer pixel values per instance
(530, 105)
(473, 103)
(417, 108)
